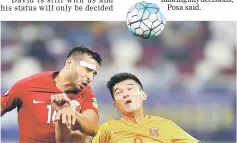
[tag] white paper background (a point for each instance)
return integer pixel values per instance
(210, 11)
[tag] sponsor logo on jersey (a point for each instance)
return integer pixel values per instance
(118, 132)
(38, 101)
(95, 103)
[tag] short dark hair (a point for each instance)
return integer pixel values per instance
(121, 77)
(87, 51)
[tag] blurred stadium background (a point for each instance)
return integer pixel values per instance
(189, 71)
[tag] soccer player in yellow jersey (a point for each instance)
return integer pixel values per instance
(135, 126)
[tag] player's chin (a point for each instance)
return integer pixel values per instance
(129, 110)
(78, 87)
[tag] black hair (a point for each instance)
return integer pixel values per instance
(85, 50)
(121, 77)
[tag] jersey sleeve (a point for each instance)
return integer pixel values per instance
(103, 135)
(90, 101)
(178, 135)
(12, 98)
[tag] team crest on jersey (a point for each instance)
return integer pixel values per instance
(95, 103)
(154, 132)
(75, 104)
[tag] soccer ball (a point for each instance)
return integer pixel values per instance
(145, 20)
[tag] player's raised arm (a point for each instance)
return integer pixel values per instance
(178, 135)
(12, 98)
(83, 124)
(64, 133)
(87, 120)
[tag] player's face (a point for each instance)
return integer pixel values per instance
(82, 71)
(128, 96)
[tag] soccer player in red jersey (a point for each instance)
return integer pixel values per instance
(33, 96)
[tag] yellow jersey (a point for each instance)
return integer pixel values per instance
(151, 129)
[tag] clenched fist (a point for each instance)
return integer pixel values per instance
(59, 101)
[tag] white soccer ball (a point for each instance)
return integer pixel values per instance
(145, 20)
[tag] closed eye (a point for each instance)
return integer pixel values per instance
(118, 92)
(88, 69)
(130, 88)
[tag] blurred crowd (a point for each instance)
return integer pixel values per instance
(187, 60)
(189, 56)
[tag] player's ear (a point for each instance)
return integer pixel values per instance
(68, 62)
(115, 105)
(144, 95)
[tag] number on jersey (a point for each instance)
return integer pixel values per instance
(51, 116)
(137, 140)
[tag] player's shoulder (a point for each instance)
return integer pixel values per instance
(164, 121)
(87, 89)
(160, 119)
(109, 124)
(88, 92)
(157, 118)
(37, 77)
(30, 78)
(36, 80)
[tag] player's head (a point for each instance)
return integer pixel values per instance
(81, 64)
(127, 92)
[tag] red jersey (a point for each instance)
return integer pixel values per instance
(32, 97)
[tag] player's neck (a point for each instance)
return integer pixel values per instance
(62, 81)
(135, 116)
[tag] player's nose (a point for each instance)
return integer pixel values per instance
(90, 77)
(125, 96)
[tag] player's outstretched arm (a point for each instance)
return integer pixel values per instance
(87, 122)
(73, 126)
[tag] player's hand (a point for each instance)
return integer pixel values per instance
(59, 101)
(67, 115)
